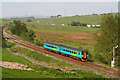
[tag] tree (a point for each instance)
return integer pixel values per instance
(21, 30)
(59, 15)
(77, 24)
(109, 36)
(29, 20)
(17, 27)
(3, 41)
(91, 25)
(30, 35)
(73, 23)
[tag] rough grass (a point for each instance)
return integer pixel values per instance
(7, 56)
(40, 57)
(8, 73)
(39, 71)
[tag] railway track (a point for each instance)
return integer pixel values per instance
(61, 57)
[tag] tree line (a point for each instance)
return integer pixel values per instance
(73, 23)
(20, 29)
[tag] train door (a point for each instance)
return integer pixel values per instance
(84, 56)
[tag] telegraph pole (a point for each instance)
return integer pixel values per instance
(113, 62)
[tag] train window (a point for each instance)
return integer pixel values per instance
(74, 52)
(67, 50)
(63, 49)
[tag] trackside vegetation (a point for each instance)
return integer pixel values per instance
(3, 41)
(107, 40)
(20, 29)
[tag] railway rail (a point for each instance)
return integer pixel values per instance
(61, 57)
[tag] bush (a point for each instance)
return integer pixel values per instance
(21, 30)
(3, 41)
(99, 57)
(38, 43)
(29, 20)
(73, 23)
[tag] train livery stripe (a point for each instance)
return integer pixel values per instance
(74, 54)
(55, 48)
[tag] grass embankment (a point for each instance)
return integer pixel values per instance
(39, 57)
(39, 71)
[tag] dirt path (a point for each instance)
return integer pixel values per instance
(14, 65)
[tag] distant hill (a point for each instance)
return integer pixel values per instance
(88, 19)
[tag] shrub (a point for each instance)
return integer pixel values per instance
(38, 43)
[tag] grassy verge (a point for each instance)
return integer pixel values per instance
(39, 71)
(39, 57)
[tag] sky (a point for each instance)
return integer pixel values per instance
(60, 0)
(20, 8)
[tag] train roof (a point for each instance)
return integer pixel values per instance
(66, 47)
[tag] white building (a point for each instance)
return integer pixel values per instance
(93, 26)
(52, 24)
(88, 25)
(63, 24)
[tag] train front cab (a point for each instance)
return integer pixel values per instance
(84, 56)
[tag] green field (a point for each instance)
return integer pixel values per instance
(90, 19)
(39, 71)
(73, 36)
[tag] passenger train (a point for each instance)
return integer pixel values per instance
(80, 54)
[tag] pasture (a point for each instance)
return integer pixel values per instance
(73, 36)
(88, 19)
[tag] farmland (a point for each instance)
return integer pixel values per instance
(73, 36)
(88, 19)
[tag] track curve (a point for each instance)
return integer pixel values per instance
(64, 58)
